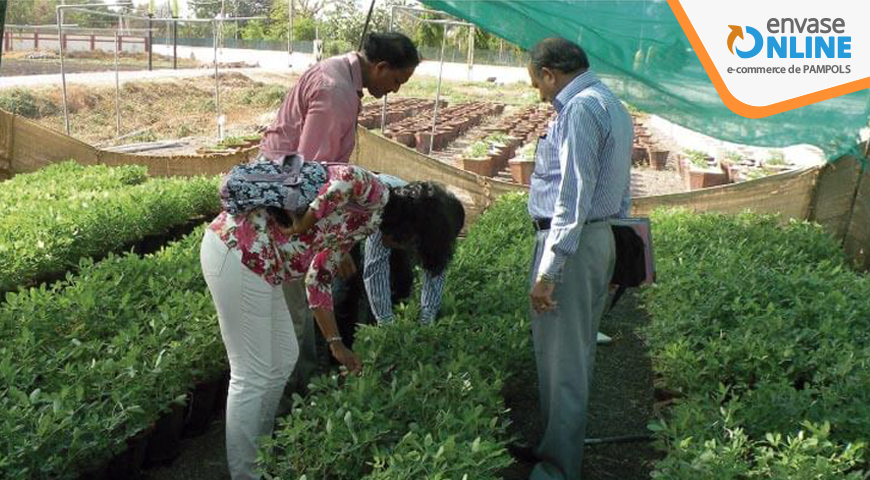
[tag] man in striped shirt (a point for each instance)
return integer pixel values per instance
(388, 273)
(581, 179)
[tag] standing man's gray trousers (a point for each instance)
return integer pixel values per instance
(565, 342)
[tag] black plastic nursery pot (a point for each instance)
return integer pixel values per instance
(128, 464)
(165, 443)
(202, 406)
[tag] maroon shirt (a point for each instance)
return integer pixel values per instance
(319, 116)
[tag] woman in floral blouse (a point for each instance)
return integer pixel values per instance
(246, 257)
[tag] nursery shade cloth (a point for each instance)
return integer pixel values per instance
(642, 54)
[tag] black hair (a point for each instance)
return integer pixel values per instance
(427, 217)
(393, 47)
(558, 54)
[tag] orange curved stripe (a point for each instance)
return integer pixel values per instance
(751, 111)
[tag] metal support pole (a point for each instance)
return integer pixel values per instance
(59, 15)
(366, 25)
(217, 85)
(384, 108)
(62, 70)
(2, 25)
(175, 43)
(438, 92)
(470, 53)
(290, 33)
(117, 92)
(150, 42)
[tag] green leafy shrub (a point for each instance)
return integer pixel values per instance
(478, 149)
(528, 151)
(60, 181)
(23, 102)
(776, 158)
(332, 48)
(96, 358)
(238, 141)
(429, 403)
(696, 157)
(59, 224)
(762, 327)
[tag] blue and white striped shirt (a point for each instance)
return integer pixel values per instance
(376, 276)
(582, 167)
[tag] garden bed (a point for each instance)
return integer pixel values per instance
(52, 218)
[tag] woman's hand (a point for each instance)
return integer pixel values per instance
(345, 357)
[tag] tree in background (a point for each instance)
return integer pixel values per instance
(304, 23)
(31, 12)
(231, 8)
(42, 12)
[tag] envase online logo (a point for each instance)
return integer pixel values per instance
(768, 57)
(793, 46)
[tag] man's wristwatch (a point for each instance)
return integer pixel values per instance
(332, 340)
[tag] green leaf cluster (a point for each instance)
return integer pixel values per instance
(429, 402)
(52, 218)
(762, 326)
(94, 359)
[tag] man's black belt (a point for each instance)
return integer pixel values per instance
(541, 224)
(544, 223)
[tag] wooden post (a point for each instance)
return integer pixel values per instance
(857, 241)
(833, 196)
(93, 42)
(2, 24)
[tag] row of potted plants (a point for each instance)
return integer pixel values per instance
(103, 370)
(428, 403)
(489, 155)
(764, 337)
(510, 144)
(99, 212)
(397, 110)
(645, 150)
(700, 170)
(453, 122)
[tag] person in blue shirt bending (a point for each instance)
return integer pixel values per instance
(387, 275)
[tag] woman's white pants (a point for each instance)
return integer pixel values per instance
(261, 346)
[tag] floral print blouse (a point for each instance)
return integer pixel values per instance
(348, 208)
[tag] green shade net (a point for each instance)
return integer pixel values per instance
(641, 52)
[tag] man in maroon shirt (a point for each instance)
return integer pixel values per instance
(319, 115)
(318, 120)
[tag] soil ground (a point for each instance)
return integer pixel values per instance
(621, 403)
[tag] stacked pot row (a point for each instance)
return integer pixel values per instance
(645, 150)
(526, 126)
(452, 122)
(397, 110)
(497, 158)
